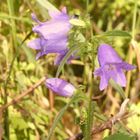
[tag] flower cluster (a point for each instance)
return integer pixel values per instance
(53, 38)
(53, 35)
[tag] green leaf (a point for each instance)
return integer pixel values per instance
(77, 22)
(47, 5)
(120, 136)
(74, 98)
(117, 88)
(117, 33)
(71, 50)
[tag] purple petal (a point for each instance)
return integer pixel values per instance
(116, 73)
(59, 58)
(62, 55)
(103, 82)
(104, 78)
(126, 66)
(59, 25)
(35, 44)
(54, 14)
(60, 86)
(56, 45)
(98, 72)
(57, 14)
(40, 54)
(35, 18)
(106, 54)
(119, 77)
(53, 29)
(64, 10)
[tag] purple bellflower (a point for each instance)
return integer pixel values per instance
(52, 35)
(60, 87)
(111, 67)
(45, 47)
(57, 26)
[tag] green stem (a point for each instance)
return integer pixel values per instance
(90, 107)
(130, 49)
(10, 4)
(71, 50)
(89, 118)
(87, 3)
(134, 20)
(6, 113)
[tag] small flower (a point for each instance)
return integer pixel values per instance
(111, 66)
(45, 47)
(57, 26)
(52, 35)
(61, 87)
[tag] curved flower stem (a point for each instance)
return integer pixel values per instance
(131, 50)
(62, 63)
(129, 73)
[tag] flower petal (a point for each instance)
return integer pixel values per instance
(61, 55)
(119, 77)
(54, 14)
(59, 58)
(40, 54)
(106, 54)
(98, 72)
(61, 87)
(35, 44)
(126, 66)
(53, 28)
(35, 18)
(116, 73)
(56, 45)
(103, 82)
(64, 10)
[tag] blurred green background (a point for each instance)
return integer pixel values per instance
(32, 117)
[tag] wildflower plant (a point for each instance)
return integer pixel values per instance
(53, 38)
(91, 76)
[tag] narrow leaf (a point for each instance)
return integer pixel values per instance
(74, 98)
(71, 50)
(117, 33)
(47, 5)
(120, 136)
(118, 89)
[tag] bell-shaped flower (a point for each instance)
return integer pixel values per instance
(60, 87)
(111, 66)
(57, 26)
(53, 35)
(45, 47)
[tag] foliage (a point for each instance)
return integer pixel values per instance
(43, 115)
